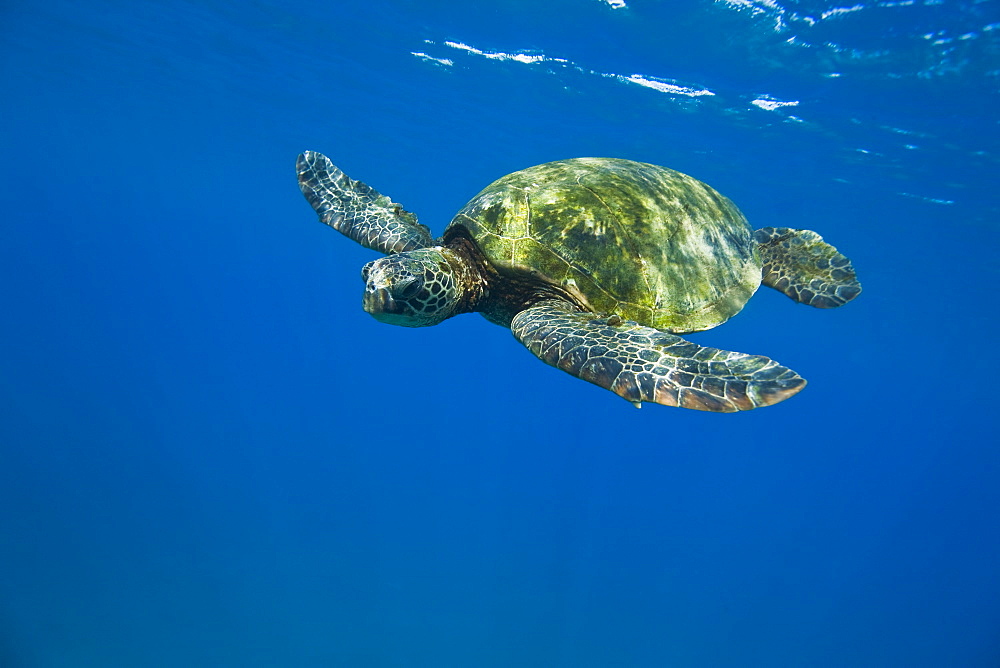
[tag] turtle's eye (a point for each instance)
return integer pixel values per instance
(407, 289)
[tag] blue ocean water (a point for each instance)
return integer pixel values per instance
(211, 456)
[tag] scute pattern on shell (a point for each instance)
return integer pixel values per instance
(639, 240)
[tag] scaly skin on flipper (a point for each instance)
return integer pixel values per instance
(357, 210)
(645, 364)
(806, 268)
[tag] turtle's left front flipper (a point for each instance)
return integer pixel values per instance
(357, 210)
(806, 268)
(644, 364)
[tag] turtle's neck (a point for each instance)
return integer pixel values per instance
(470, 274)
(498, 297)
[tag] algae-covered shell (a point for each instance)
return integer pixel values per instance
(640, 241)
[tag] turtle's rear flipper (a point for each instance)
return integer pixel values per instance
(806, 268)
(358, 210)
(644, 364)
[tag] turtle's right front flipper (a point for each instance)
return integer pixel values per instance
(358, 210)
(644, 364)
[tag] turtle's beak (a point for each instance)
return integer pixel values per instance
(378, 300)
(380, 304)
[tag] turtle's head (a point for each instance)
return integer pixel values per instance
(412, 289)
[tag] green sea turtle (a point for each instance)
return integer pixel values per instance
(595, 264)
